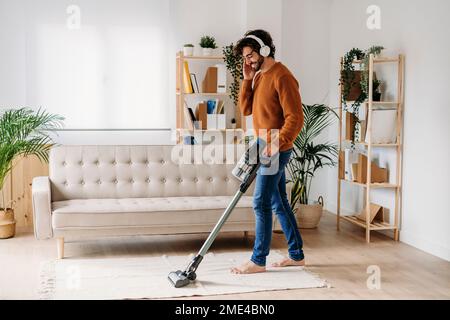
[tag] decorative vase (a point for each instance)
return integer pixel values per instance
(308, 215)
(7, 224)
(188, 51)
(207, 51)
(376, 96)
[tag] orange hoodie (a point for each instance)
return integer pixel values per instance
(275, 103)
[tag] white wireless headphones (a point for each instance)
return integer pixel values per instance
(265, 50)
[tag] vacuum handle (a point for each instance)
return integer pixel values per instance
(212, 236)
(247, 182)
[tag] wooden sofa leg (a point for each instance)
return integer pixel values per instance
(60, 247)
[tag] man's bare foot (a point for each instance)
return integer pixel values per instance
(288, 262)
(247, 268)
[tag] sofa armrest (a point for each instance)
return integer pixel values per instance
(42, 208)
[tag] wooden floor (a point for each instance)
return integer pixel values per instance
(341, 257)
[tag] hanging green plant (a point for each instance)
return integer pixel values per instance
(234, 65)
(348, 76)
(349, 82)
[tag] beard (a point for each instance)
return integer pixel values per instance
(257, 65)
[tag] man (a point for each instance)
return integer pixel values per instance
(271, 94)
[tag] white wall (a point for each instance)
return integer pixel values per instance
(417, 29)
(314, 31)
(310, 37)
(306, 50)
(106, 66)
(27, 53)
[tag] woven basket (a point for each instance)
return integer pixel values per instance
(308, 215)
(7, 224)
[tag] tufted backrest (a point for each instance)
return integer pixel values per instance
(81, 172)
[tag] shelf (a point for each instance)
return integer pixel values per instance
(229, 129)
(373, 144)
(370, 106)
(380, 105)
(382, 102)
(200, 57)
(202, 94)
(377, 102)
(372, 185)
(375, 225)
(379, 60)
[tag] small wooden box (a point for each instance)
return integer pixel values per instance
(379, 175)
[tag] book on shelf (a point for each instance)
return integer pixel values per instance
(187, 121)
(220, 105)
(215, 106)
(194, 82)
(201, 115)
(350, 157)
(190, 119)
(188, 88)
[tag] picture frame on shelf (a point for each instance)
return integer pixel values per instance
(383, 126)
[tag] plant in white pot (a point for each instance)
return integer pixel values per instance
(188, 50)
(208, 43)
(23, 132)
(306, 159)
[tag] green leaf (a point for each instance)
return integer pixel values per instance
(25, 132)
(308, 157)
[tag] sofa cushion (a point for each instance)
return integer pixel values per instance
(100, 172)
(146, 211)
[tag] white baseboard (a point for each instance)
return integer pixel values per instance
(425, 245)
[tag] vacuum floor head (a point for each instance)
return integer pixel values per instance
(178, 279)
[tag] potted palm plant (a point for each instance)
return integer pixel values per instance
(307, 158)
(23, 132)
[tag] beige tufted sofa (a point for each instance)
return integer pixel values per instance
(135, 190)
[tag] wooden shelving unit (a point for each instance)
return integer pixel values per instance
(376, 105)
(238, 132)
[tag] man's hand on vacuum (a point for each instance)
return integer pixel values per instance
(249, 72)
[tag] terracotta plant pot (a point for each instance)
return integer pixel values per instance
(308, 215)
(355, 87)
(7, 224)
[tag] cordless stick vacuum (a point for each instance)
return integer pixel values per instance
(245, 170)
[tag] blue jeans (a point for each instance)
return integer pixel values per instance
(270, 195)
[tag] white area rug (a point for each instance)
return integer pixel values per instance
(134, 278)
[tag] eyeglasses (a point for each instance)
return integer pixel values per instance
(249, 56)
